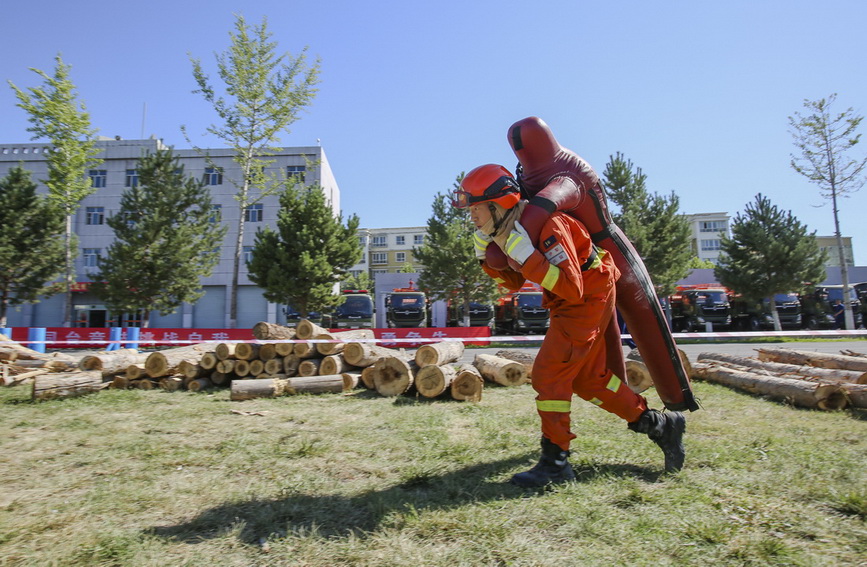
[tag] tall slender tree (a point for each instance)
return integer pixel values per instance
(451, 270)
(58, 116)
(167, 240)
(311, 250)
(263, 93)
(824, 140)
(31, 242)
(770, 252)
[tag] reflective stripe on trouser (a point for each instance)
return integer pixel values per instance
(572, 360)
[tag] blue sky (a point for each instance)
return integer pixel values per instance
(697, 94)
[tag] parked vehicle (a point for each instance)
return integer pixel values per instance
(293, 316)
(406, 307)
(695, 305)
(756, 315)
(481, 314)
(356, 311)
(817, 304)
(835, 294)
(521, 312)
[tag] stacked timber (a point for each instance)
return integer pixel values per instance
(802, 378)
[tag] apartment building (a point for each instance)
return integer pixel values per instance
(389, 250)
(707, 232)
(118, 172)
(829, 245)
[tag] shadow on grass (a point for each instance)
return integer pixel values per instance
(365, 513)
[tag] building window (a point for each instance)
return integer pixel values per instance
(400, 257)
(378, 241)
(373, 272)
(379, 258)
(712, 226)
(91, 257)
(248, 254)
(213, 176)
(97, 178)
(363, 260)
(216, 213)
(710, 245)
(296, 173)
(131, 178)
(418, 239)
(400, 240)
(253, 213)
(95, 215)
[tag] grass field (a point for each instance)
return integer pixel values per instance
(150, 478)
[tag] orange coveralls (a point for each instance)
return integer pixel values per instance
(572, 358)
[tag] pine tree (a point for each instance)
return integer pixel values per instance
(451, 269)
(31, 242)
(264, 93)
(310, 251)
(653, 223)
(56, 115)
(166, 241)
(770, 252)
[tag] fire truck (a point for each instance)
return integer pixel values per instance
(521, 312)
(756, 315)
(817, 304)
(695, 305)
(355, 312)
(406, 307)
(481, 314)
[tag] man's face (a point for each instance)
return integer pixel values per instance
(480, 214)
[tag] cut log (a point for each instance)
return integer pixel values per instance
(525, 358)
(309, 367)
(345, 336)
(433, 381)
(171, 383)
(307, 330)
(200, 384)
(257, 367)
(820, 359)
(221, 379)
(136, 371)
(306, 350)
(684, 359)
(367, 377)
(241, 367)
(336, 364)
(67, 385)
(800, 393)
(857, 394)
(500, 370)
(23, 378)
(269, 331)
(468, 384)
(780, 368)
(120, 382)
(247, 351)
(226, 366)
(290, 365)
(143, 384)
(112, 362)
(273, 366)
(209, 361)
(267, 351)
(637, 376)
(284, 349)
(393, 376)
(440, 353)
(366, 354)
(225, 350)
(351, 380)
(165, 362)
(847, 352)
(191, 370)
(257, 388)
(332, 383)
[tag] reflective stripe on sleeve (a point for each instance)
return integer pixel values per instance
(614, 383)
(559, 406)
(551, 277)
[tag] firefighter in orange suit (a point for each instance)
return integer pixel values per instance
(578, 281)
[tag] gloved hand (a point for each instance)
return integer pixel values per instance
(519, 247)
(480, 243)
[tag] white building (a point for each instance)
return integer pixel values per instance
(116, 173)
(708, 229)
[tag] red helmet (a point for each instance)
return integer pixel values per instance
(489, 182)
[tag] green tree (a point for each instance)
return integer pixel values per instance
(57, 115)
(263, 94)
(770, 252)
(451, 269)
(310, 251)
(166, 241)
(824, 140)
(653, 223)
(31, 243)
(361, 281)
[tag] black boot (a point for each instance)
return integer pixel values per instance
(552, 468)
(666, 430)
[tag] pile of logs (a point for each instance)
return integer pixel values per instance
(801, 378)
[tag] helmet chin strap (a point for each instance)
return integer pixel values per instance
(498, 220)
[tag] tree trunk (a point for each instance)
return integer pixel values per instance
(637, 376)
(247, 351)
(819, 359)
(800, 393)
(241, 367)
(290, 364)
(221, 378)
(780, 368)
(306, 350)
(307, 330)
(120, 382)
(351, 380)
(135, 371)
(525, 358)
(257, 388)
(67, 385)
(226, 366)
(112, 362)
(225, 350)
(468, 384)
(331, 383)
(367, 354)
(284, 349)
(367, 377)
(274, 366)
(191, 370)
(336, 364)
(687, 365)
(500, 370)
(165, 362)
(267, 351)
(309, 367)
(393, 376)
(433, 381)
(257, 367)
(271, 332)
(346, 336)
(438, 354)
(209, 361)
(199, 384)
(171, 383)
